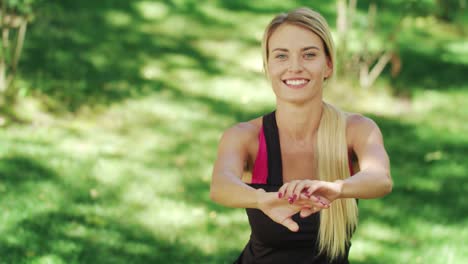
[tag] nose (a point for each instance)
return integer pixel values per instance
(295, 64)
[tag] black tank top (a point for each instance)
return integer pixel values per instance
(270, 242)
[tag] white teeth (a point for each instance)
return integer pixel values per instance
(295, 82)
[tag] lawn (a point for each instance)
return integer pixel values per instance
(122, 105)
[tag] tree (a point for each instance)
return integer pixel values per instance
(362, 53)
(14, 18)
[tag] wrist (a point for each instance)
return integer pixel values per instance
(339, 188)
(259, 197)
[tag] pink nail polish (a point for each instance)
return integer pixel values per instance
(290, 200)
(280, 195)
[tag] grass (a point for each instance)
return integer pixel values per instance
(124, 102)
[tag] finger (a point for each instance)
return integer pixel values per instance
(314, 201)
(312, 188)
(290, 191)
(303, 196)
(324, 201)
(301, 186)
(281, 191)
(307, 212)
(290, 224)
(310, 201)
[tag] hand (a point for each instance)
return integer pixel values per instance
(279, 210)
(319, 193)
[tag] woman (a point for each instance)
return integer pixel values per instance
(301, 198)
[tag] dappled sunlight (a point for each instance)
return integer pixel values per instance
(118, 18)
(175, 220)
(121, 115)
(232, 52)
(362, 249)
(152, 10)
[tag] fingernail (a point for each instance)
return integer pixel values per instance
(290, 200)
(294, 196)
(280, 195)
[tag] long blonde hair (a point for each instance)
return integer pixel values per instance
(339, 221)
(337, 224)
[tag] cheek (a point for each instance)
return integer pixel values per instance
(317, 68)
(275, 70)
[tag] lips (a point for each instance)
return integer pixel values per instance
(296, 83)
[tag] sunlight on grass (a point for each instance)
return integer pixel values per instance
(234, 52)
(118, 18)
(152, 10)
(362, 249)
(48, 259)
(126, 180)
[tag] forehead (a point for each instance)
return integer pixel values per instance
(293, 37)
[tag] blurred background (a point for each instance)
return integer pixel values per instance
(111, 111)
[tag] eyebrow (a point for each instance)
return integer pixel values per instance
(303, 49)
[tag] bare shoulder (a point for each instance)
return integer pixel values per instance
(360, 127)
(243, 132)
(357, 121)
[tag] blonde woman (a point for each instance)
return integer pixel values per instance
(301, 196)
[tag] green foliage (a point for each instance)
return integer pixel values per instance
(125, 102)
(21, 7)
(449, 10)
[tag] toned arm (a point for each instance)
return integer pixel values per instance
(373, 180)
(226, 185)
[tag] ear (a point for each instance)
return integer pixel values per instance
(329, 69)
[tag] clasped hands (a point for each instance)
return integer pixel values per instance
(304, 196)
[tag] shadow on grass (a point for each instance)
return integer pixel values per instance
(423, 71)
(75, 238)
(95, 53)
(15, 170)
(71, 228)
(425, 188)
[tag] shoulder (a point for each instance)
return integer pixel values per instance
(357, 121)
(360, 127)
(243, 131)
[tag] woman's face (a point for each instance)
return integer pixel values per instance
(297, 63)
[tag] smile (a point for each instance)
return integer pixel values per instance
(296, 83)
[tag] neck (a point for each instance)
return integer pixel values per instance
(299, 122)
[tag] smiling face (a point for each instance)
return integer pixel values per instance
(297, 63)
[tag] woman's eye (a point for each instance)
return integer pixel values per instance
(280, 56)
(309, 55)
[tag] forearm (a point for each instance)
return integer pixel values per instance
(229, 190)
(366, 184)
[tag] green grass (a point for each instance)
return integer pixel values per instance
(123, 103)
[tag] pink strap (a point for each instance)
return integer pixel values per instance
(350, 164)
(260, 169)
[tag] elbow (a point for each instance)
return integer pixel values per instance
(214, 194)
(388, 187)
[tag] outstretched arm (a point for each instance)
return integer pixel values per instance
(226, 185)
(373, 180)
(228, 189)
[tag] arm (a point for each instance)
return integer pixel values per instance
(374, 179)
(228, 189)
(226, 185)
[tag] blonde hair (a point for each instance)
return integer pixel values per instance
(337, 224)
(306, 18)
(339, 221)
